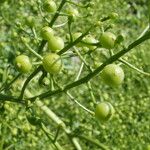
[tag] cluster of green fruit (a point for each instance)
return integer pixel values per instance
(112, 74)
(55, 43)
(51, 62)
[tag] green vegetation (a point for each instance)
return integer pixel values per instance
(74, 75)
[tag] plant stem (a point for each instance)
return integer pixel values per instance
(31, 50)
(133, 67)
(57, 13)
(35, 34)
(57, 133)
(91, 92)
(56, 144)
(69, 28)
(79, 73)
(83, 107)
(60, 25)
(28, 80)
(10, 98)
(94, 141)
(82, 59)
(76, 143)
(7, 86)
(73, 99)
(144, 31)
(76, 41)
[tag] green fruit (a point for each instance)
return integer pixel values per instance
(113, 75)
(47, 33)
(23, 64)
(104, 111)
(52, 63)
(30, 21)
(107, 40)
(72, 12)
(90, 40)
(50, 6)
(55, 43)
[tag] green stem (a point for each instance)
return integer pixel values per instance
(10, 98)
(56, 144)
(76, 143)
(133, 67)
(7, 86)
(83, 60)
(107, 28)
(37, 63)
(52, 83)
(41, 13)
(91, 92)
(23, 30)
(28, 80)
(79, 73)
(63, 14)
(41, 46)
(7, 97)
(57, 13)
(34, 33)
(144, 31)
(98, 44)
(69, 28)
(76, 41)
(79, 104)
(94, 141)
(31, 50)
(44, 74)
(73, 99)
(57, 133)
(60, 25)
